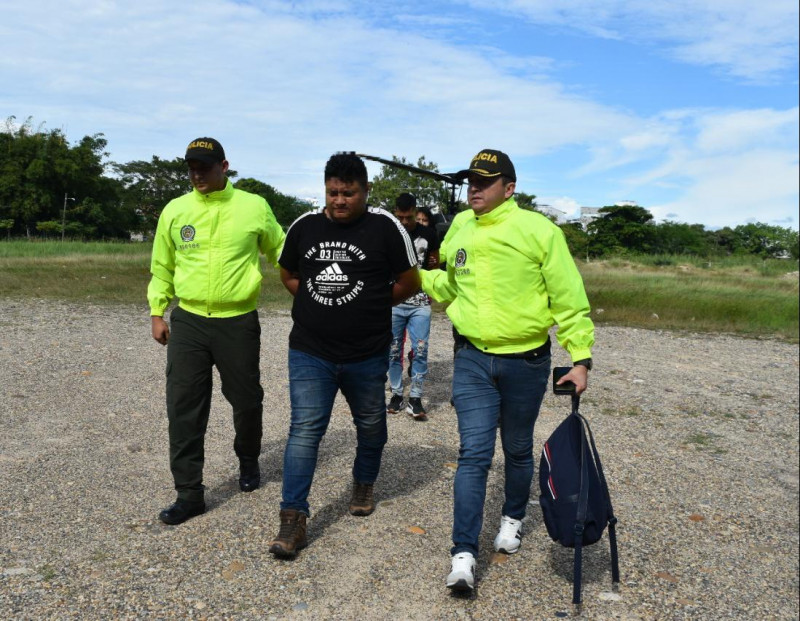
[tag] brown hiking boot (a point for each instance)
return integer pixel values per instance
(291, 536)
(361, 502)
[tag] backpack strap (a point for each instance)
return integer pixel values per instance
(612, 520)
(583, 502)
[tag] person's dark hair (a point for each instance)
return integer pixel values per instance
(507, 180)
(405, 202)
(347, 167)
(428, 214)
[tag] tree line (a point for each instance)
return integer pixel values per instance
(618, 229)
(629, 229)
(50, 188)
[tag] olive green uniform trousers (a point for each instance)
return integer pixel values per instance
(197, 344)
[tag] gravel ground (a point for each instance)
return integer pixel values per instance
(699, 437)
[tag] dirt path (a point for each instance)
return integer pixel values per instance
(699, 436)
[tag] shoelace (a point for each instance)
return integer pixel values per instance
(362, 494)
(461, 562)
(287, 529)
(509, 529)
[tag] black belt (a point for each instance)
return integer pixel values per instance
(531, 354)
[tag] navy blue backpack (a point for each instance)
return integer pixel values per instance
(574, 494)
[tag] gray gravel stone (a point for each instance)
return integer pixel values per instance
(699, 436)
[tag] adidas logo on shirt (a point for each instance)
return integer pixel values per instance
(332, 273)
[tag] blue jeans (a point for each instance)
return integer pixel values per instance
(313, 384)
(490, 392)
(417, 320)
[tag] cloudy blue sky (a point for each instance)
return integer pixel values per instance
(689, 108)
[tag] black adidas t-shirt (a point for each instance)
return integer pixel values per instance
(343, 307)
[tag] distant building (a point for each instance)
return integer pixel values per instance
(592, 213)
(551, 212)
(588, 214)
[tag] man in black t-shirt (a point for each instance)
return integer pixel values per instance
(345, 265)
(413, 315)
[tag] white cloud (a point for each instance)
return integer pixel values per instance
(281, 90)
(730, 166)
(717, 167)
(760, 183)
(745, 128)
(649, 137)
(283, 85)
(756, 41)
(567, 204)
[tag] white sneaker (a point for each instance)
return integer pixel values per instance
(510, 535)
(462, 576)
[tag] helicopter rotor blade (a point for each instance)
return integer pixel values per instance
(415, 169)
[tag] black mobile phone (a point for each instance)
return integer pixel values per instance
(567, 388)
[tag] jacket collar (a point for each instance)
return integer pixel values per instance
(219, 196)
(498, 214)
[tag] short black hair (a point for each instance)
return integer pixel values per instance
(347, 167)
(405, 202)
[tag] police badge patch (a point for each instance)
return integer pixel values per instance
(187, 233)
(461, 257)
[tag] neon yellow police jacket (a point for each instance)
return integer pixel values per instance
(509, 278)
(206, 252)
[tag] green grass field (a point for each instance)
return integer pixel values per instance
(115, 273)
(744, 296)
(750, 300)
